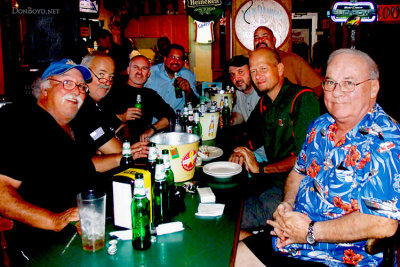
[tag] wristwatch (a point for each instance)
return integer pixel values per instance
(310, 235)
(261, 166)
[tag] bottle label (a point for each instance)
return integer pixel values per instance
(126, 149)
(160, 172)
(152, 154)
(139, 191)
(167, 162)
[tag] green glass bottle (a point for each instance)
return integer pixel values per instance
(127, 159)
(151, 160)
(141, 235)
(169, 175)
(197, 129)
(160, 195)
(138, 103)
(178, 90)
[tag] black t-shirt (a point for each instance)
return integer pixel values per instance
(153, 106)
(94, 126)
(52, 167)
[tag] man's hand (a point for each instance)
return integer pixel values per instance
(184, 85)
(236, 118)
(144, 137)
(290, 226)
(243, 154)
(130, 114)
(140, 150)
(62, 219)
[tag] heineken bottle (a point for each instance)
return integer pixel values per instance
(126, 160)
(169, 176)
(160, 195)
(178, 90)
(140, 215)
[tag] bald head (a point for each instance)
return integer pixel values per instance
(264, 37)
(266, 71)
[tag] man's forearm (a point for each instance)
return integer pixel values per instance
(14, 207)
(191, 97)
(161, 124)
(105, 163)
(284, 165)
(354, 226)
(292, 187)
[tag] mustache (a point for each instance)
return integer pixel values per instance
(262, 43)
(105, 86)
(73, 97)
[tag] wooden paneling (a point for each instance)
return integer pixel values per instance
(175, 27)
(237, 48)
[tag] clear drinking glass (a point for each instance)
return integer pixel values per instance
(92, 213)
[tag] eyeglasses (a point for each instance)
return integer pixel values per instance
(103, 80)
(70, 85)
(345, 86)
(175, 58)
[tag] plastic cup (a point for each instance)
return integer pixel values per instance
(92, 213)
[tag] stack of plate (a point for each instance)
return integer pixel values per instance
(222, 169)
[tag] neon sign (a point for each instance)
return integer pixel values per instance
(341, 11)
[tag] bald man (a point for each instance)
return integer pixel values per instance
(279, 123)
(297, 70)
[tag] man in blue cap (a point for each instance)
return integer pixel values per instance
(39, 192)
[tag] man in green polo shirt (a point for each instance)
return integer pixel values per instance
(279, 122)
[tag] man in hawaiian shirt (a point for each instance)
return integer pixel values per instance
(344, 187)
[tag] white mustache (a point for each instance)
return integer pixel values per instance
(73, 97)
(104, 86)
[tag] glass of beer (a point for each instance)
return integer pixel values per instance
(92, 213)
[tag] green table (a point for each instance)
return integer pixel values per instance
(206, 241)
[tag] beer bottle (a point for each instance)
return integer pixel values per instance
(151, 158)
(140, 215)
(169, 175)
(185, 118)
(126, 160)
(190, 123)
(160, 195)
(226, 113)
(197, 129)
(178, 90)
(138, 103)
(178, 126)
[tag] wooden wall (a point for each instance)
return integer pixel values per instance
(237, 48)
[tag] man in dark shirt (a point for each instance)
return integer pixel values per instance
(140, 120)
(279, 123)
(42, 166)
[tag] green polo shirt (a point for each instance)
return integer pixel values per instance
(281, 126)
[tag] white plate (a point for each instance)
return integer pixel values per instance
(207, 153)
(222, 169)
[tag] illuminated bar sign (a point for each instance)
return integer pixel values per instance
(343, 10)
(204, 10)
(389, 13)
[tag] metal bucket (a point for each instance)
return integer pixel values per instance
(183, 149)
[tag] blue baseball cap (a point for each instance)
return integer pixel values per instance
(64, 65)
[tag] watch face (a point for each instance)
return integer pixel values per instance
(310, 239)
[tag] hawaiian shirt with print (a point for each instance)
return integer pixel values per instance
(361, 173)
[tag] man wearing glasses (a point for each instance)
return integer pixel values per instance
(94, 125)
(162, 79)
(344, 188)
(39, 192)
